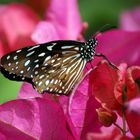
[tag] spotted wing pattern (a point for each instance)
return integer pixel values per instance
(22, 62)
(59, 74)
(54, 67)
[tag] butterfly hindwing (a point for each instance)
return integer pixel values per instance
(59, 74)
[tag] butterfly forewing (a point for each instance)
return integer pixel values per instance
(22, 62)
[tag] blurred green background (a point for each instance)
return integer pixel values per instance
(96, 12)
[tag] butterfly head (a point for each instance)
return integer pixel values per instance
(88, 50)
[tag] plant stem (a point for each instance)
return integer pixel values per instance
(124, 121)
(118, 127)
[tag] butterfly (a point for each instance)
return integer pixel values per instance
(53, 67)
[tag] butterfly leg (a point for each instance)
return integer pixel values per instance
(91, 65)
(104, 57)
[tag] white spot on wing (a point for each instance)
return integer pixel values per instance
(49, 48)
(8, 57)
(47, 58)
(21, 71)
(28, 68)
(76, 48)
(29, 54)
(23, 78)
(15, 57)
(60, 91)
(47, 82)
(55, 81)
(37, 60)
(18, 51)
(36, 72)
(51, 90)
(17, 67)
(37, 66)
(52, 81)
(27, 63)
(66, 47)
(60, 84)
(40, 83)
(33, 47)
(41, 55)
(41, 76)
(53, 61)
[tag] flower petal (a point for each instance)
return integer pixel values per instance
(114, 134)
(120, 46)
(103, 79)
(133, 116)
(132, 81)
(16, 25)
(27, 91)
(44, 32)
(82, 107)
(37, 118)
(130, 20)
(65, 16)
(120, 86)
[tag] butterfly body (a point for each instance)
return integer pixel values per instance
(54, 67)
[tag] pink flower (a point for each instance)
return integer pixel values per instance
(40, 120)
(120, 46)
(133, 116)
(16, 25)
(113, 89)
(36, 116)
(130, 20)
(60, 25)
(32, 119)
(113, 134)
(114, 84)
(79, 108)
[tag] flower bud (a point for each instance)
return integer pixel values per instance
(106, 117)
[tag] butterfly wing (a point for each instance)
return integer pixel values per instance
(59, 74)
(21, 63)
(57, 60)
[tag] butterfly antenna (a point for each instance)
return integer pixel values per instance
(104, 28)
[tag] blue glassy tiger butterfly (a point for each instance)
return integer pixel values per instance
(54, 67)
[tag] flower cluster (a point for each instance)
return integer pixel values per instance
(105, 104)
